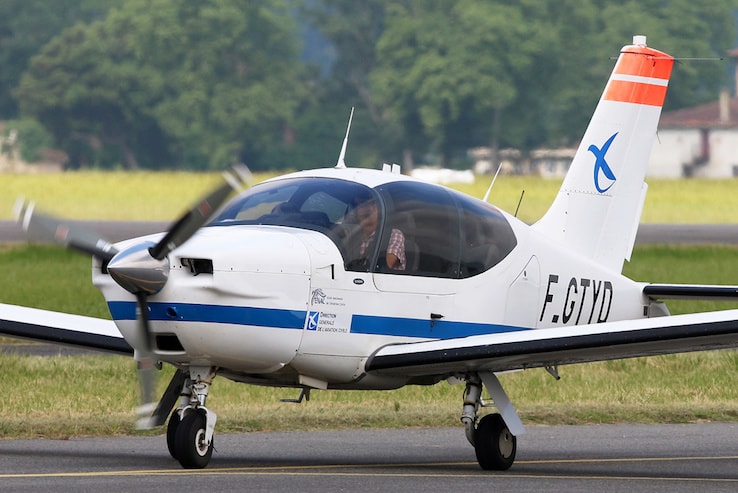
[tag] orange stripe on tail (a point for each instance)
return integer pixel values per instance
(640, 76)
(635, 92)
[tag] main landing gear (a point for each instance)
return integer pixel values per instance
(494, 436)
(191, 426)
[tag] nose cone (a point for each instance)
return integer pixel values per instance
(136, 271)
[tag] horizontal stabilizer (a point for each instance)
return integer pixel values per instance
(691, 292)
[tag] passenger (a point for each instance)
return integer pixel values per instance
(367, 213)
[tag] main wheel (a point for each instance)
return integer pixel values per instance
(172, 427)
(494, 445)
(189, 442)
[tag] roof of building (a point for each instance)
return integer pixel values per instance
(705, 115)
(722, 113)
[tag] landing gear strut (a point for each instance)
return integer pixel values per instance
(191, 426)
(494, 443)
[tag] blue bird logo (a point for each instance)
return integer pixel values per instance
(601, 164)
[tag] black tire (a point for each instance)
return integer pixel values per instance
(190, 449)
(494, 445)
(172, 427)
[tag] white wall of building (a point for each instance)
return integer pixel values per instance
(672, 149)
(723, 155)
(675, 149)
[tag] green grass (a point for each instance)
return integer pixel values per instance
(141, 196)
(62, 397)
(164, 195)
(49, 277)
(690, 201)
(95, 395)
(709, 264)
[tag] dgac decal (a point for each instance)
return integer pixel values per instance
(568, 303)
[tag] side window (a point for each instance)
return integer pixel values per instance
(359, 231)
(429, 220)
(487, 237)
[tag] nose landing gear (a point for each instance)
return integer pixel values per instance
(191, 426)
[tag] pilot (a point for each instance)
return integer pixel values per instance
(367, 213)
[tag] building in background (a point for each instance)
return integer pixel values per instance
(701, 141)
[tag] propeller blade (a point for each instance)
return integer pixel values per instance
(45, 227)
(161, 412)
(147, 382)
(144, 329)
(193, 219)
(144, 361)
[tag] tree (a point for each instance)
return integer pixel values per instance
(352, 29)
(526, 74)
(589, 34)
(443, 63)
(26, 26)
(200, 85)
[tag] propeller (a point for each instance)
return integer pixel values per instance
(44, 227)
(141, 269)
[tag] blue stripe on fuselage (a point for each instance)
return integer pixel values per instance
(295, 319)
(226, 314)
(424, 328)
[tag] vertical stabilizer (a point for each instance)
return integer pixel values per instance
(598, 207)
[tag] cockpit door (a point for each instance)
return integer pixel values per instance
(521, 309)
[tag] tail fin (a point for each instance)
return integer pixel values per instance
(598, 207)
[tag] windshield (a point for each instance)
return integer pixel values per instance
(404, 228)
(320, 204)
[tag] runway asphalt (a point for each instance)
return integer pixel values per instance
(647, 233)
(625, 457)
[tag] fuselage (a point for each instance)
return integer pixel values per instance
(274, 297)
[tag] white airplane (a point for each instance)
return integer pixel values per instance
(275, 289)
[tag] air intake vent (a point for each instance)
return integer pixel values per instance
(168, 343)
(198, 266)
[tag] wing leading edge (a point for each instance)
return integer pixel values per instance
(62, 328)
(559, 346)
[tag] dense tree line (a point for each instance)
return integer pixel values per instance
(200, 85)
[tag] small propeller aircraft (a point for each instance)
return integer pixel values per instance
(349, 278)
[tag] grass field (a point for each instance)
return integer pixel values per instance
(163, 196)
(95, 395)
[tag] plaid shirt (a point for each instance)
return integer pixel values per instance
(396, 247)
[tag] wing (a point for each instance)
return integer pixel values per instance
(62, 328)
(562, 345)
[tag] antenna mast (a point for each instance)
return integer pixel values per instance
(341, 163)
(486, 195)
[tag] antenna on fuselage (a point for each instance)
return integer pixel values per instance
(486, 195)
(522, 194)
(341, 163)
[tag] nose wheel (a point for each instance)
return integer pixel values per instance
(172, 433)
(191, 447)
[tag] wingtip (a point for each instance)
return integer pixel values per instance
(23, 211)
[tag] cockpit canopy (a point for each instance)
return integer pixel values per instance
(442, 233)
